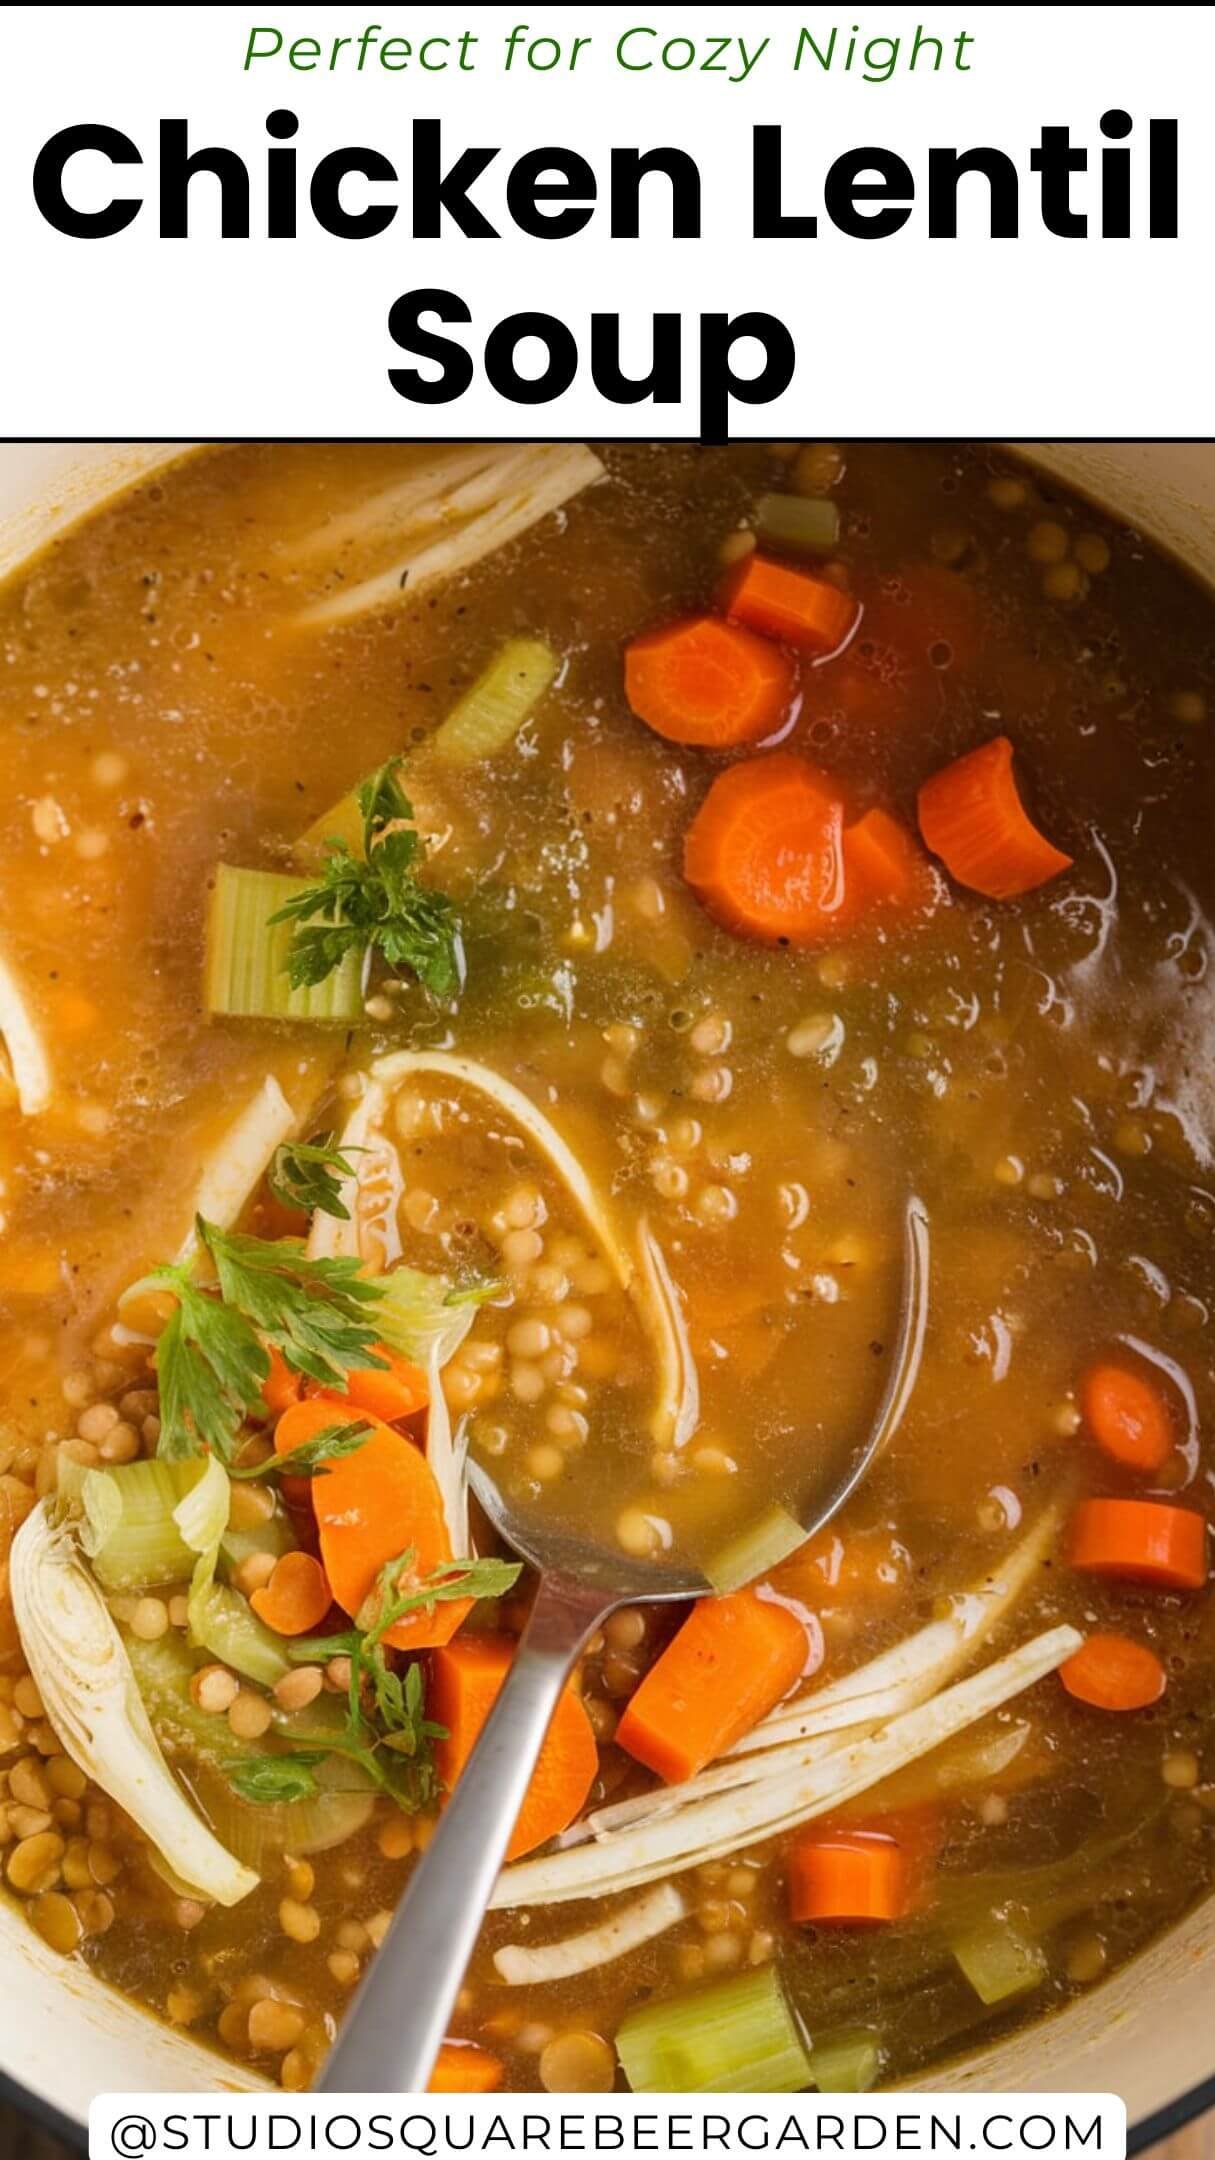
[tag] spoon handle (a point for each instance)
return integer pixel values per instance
(399, 2017)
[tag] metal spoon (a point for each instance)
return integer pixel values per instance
(393, 2031)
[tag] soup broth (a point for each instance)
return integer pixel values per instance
(1033, 1068)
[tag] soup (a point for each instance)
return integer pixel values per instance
(737, 849)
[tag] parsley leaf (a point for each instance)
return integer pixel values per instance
(271, 1779)
(312, 1457)
(316, 1312)
(308, 1174)
(211, 1358)
(375, 903)
(209, 1367)
(395, 1700)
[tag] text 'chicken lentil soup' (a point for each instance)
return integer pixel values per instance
(495, 942)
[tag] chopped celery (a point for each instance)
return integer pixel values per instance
(224, 1622)
(425, 1316)
(491, 712)
(343, 822)
(802, 524)
(847, 2061)
(275, 1535)
(203, 1748)
(736, 2036)
(130, 1532)
(999, 1961)
(246, 966)
(761, 1546)
(201, 1515)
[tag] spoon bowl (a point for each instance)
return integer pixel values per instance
(397, 2022)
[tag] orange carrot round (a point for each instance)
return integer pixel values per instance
(972, 816)
(731, 1661)
(708, 682)
(464, 1682)
(461, 2067)
(784, 603)
(1127, 1415)
(1144, 1541)
(764, 852)
(854, 1878)
(371, 1507)
(882, 864)
(1111, 1672)
(297, 1596)
(392, 1390)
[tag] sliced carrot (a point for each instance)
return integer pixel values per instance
(764, 852)
(370, 1508)
(464, 1682)
(393, 1390)
(784, 603)
(972, 816)
(730, 1662)
(281, 1387)
(882, 864)
(1111, 1672)
(461, 2067)
(297, 1596)
(849, 1878)
(1144, 1541)
(1127, 1415)
(709, 682)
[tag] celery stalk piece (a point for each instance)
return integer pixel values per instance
(798, 524)
(490, 714)
(224, 1622)
(344, 822)
(846, 2061)
(757, 1549)
(246, 965)
(130, 1532)
(736, 2036)
(999, 1961)
(203, 1748)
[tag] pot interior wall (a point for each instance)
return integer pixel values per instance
(1147, 2033)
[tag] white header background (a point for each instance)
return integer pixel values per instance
(137, 336)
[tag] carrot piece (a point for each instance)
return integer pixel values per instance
(464, 1682)
(882, 864)
(1126, 1415)
(854, 1878)
(784, 603)
(297, 1596)
(972, 816)
(370, 1508)
(764, 852)
(1110, 1672)
(1144, 1541)
(281, 1387)
(732, 1659)
(461, 2067)
(708, 682)
(392, 1391)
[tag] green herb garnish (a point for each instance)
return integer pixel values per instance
(211, 1359)
(269, 1780)
(308, 1174)
(395, 1700)
(375, 903)
(312, 1457)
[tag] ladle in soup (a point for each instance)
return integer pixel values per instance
(399, 2017)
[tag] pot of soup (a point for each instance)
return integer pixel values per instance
(493, 936)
